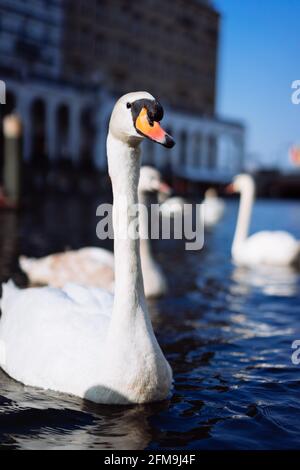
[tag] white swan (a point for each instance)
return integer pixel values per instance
(172, 207)
(214, 208)
(93, 266)
(74, 340)
(155, 282)
(263, 248)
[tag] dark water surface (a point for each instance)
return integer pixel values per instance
(226, 331)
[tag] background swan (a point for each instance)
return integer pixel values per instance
(172, 207)
(155, 282)
(275, 248)
(93, 266)
(73, 340)
(214, 208)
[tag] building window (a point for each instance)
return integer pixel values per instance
(183, 148)
(197, 151)
(212, 153)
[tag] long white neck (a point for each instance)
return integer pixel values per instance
(244, 216)
(129, 302)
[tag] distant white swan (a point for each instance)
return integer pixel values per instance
(93, 266)
(75, 340)
(270, 248)
(172, 207)
(214, 208)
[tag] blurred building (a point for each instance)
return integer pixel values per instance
(31, 64)
(168, 47)
(65, 61)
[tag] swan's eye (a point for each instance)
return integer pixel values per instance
(128, 105)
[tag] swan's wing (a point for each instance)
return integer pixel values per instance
(87, 266)
(92, 298)
(273, 248)
(99, 255)
(50, 339)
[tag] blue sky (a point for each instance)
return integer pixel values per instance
(259, 58)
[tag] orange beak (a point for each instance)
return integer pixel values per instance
(153, 131)
(230, 189)
(164, 188)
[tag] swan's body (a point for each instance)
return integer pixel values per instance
(90, 266)
(95, 266)
(172, 207)
(214, 208)
(81, 341)
(263, 248)
(31, 318)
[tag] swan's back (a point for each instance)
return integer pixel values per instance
(213, 210)
(89, 266)
(52, 339)
(172, 206)
(276, 248)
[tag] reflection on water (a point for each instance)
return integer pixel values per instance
(227, 332)
(34, 419)
(276, 281)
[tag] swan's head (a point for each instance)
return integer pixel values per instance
(151, 181)
(38, 271)
(211, 193)
(137, 116)
(242, 183)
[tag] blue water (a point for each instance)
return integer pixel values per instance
(226, 331)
